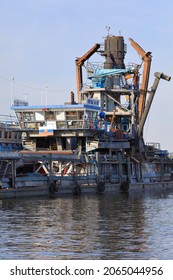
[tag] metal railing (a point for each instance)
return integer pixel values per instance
(9, 122)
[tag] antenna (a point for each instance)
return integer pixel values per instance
(46, 91)
(12, 84)
(108, 28)
(25, 95)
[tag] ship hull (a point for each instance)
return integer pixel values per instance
(40, 188)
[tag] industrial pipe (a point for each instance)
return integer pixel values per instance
(158, 76)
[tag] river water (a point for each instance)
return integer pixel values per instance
(116, 226)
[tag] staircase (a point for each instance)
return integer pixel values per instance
(5, 168)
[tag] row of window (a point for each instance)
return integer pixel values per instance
(55, 116)
(10, 135)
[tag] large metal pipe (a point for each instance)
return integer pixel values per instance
(114, 52)
(158, 76)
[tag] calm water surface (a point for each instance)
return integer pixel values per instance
(118, 226)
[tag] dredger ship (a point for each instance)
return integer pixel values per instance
(94, 144)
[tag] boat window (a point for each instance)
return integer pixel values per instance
(39, 116)
(9, 134)
(31, 125)
(5, 134)
(71, 115)
(18, 135)
(49, 115)
(28, 116)
(60, 116)
(61, 124)
(80, 115)
(91, 115)
(19, 116)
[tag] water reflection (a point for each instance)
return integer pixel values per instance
(119, 226)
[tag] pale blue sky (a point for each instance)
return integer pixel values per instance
(40, 39)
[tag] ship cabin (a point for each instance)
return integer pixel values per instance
(45, 120)
(83, 126)
(10, 135)
(54, 126)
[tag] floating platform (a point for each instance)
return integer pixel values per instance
(24, 192)
(94, 145)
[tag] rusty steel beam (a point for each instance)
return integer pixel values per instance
(146, 58)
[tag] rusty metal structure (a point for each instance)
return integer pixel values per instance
(79, 63)
(146, 59)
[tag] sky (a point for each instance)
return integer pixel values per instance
(40, 40)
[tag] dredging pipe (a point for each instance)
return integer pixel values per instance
(158, 76)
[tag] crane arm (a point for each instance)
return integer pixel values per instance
(138, 48)
(79, 63)
(146, 58)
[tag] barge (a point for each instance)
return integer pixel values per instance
(95, 144)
